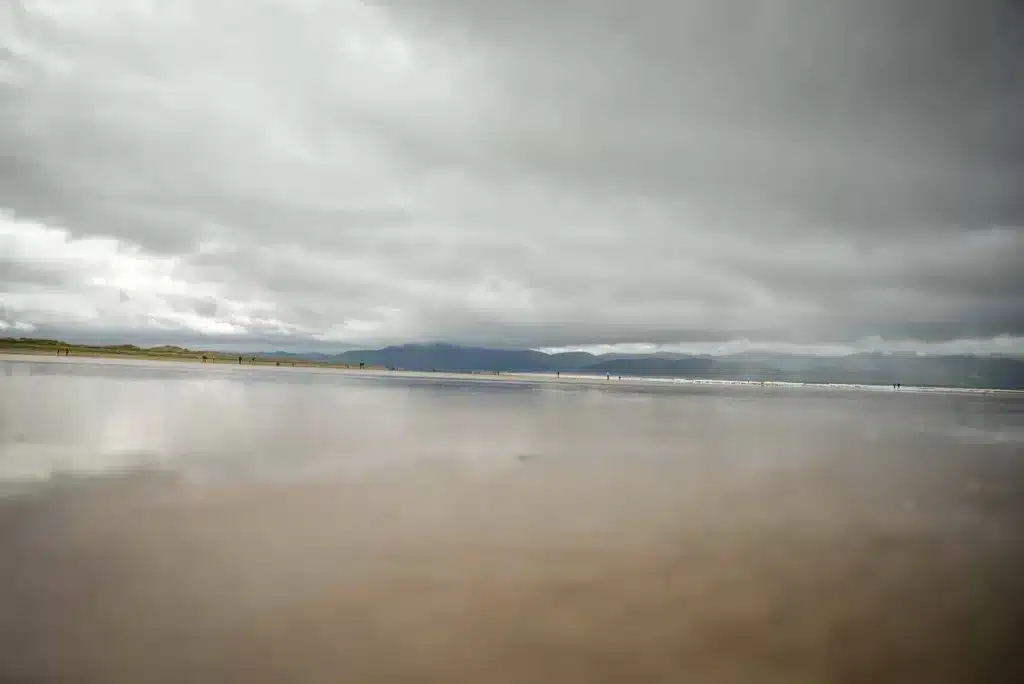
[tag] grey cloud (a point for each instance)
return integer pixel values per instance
(23, 275)
(204, 306)
(535, 173)
(871, 110)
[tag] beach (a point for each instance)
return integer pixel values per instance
(188, 522)
(228, 362)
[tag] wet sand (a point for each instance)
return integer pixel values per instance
(371, 531)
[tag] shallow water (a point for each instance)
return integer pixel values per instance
(165, 522)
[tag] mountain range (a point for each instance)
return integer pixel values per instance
(996, 372)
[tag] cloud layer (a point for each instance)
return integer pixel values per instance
(544, 174)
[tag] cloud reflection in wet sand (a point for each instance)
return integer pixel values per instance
(717, 538)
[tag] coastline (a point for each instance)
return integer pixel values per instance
(223, 361)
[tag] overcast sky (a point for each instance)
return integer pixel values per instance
(677, 174)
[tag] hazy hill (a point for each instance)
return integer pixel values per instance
(654, 366)
(1002, 372)
(446, 357)
(997, 372)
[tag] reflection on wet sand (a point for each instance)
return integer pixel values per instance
(638, 540)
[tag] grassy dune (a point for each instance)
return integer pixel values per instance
(38, 346)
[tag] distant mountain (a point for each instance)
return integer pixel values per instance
(446, 357)
(295, 356)
(571, 360)
(994, 372)
(654, 366)
(997, 372)
(875, 368)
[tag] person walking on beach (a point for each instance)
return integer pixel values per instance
(239, 360)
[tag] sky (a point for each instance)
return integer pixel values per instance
(714, 175)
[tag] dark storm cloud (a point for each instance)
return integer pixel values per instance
(528, 173)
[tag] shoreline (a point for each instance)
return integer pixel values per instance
(191, 356)
(513, 377)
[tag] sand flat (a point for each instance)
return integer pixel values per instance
(208, 526)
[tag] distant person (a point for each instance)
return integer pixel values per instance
(239, 360)
(607, 376)
(558, 374)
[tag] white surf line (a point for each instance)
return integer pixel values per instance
(722, 382)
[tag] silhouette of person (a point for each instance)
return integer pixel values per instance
(239, 360)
